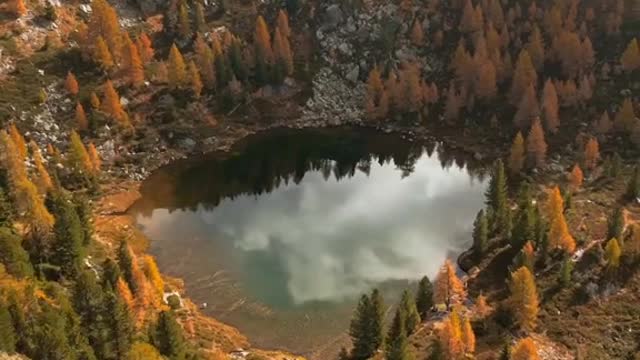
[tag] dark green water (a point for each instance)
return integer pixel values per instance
(280, 236)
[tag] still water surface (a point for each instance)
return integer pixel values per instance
(280, 236)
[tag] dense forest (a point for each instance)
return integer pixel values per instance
(545, 93)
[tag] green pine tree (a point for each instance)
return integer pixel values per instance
(505, 354)
(359, 330)
(125, 262)
(8, 336)
(7, 211)
(237, 62)
(525, 227)
(13, 255)
(397, 344)
(376, 316)
(424, 297)
(615, 224)
(223, 72)
(89, 304)
(496, 198)
(168, 337)
(564, 279)
(67, 249)
(412, 317)
(120, 325)
(84, 214)
(110, 273)
(480, 233)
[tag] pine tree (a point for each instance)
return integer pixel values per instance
(468, 337)
(153, 274)
(536, 145)
(526, 257)
(517, 154)
(13, 256)
(486, 81)
(480, 233)
(120, 325)
(145, 48)
(168, 337)
(222, 69)
(550, 106)
(263, 52)
(525, 349)
(496, 198)
(184, 23)
(204, 60)
(424, 297)
(528, 109)
(410, 310)
(111, 102)
(8, 337)
(616, 224)
(94, 159)
(104, 24)
(124, 292)
(71, 84)
(200, 19)
(102, 55)
(177, 68)
(237, 60)
(604, 124)
(449, 289)
(43, 181)
(376, 319)
(89, 304)
(125, 261)
(110, 274)
(591, 154)
(397, 346)
(81, 118)
(282, 54)
(78, 158)
(576, 177)
(633, 187)
(7, 211)
(524, 298)
(625, 117)
(69, 237)
(630, 59)
(194, 78)
(525, 75)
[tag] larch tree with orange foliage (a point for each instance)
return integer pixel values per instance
(135, 70)
(103, 55)
(71, 84)
(528, 109)
(153, 274)
(524, 76)
(377, 101)
(551, 107)
(111, 102)
(194, 79)
(17, 7)
(145, 48)
(282, 53)
(535, 48)
(517, 155)
(104, 25)
(536, 145)
(525, 349)
(204, 60)
(263, 52)
(95, 101)
(43, 181)
(81, 118)
(18, 140)
(591, 154)
(125, 293)
(486, 81)
(449, 289)
(559, 236)
(468, 337)
(481, 307)
(450, 337)
(282, 22)
(94, 158)
(177, 70)
(576, 177)
(625, 117)
(417, 34)
(630, 59)
(524, 298)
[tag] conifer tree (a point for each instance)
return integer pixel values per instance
(485, 85)
(480, 233)
(43, 181)
(576, 177)
(263, 52)
(145, 48)
(125, 293)
(17, 7)
(550, 106)
(95, 101)
(18, 140)
(194, 78)
(110, 274)
(204, 60)
(71, 84)
(604, 124)
(8, 336)
(69, 237)
(89, 304)
(481, 307)
(633, 186)
(119, 324)
(536, 145)
(591, 154)
(184, 23)
(13, 256)
(111, 102)
(417, 34)
(616, 224)
(168, 337)
(79, 160)
(135, 69)
(282, 54)
(468, 337)
(526, 257)
(449, 289)
(525, 75)
(397, 346)
(565, 272)
(222, 70)
(524, 349)
(143, 351)
(376, 316)
(559, 236)
(535, 48)
(630, 59)
(450, 337)
(153, 274)
(81, 118)
(177, 69)
(424, 297)
(496, 198)
(237, 60)
(125, 261)
(200, 19)
(283, 23)
(625, 117)
(517, 154)
(524, 298)
(410, 310)
(94, 159)
(528, 109)
(103, 55)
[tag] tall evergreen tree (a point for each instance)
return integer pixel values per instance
(120, 325)
(89, 303)
(110, 273)
(168, 337)
(8, 336)
(615, 224)
(376, 316)
(125, 261)
(480, 233)
(366, 326)
(412, 317)
(69, 237)
(13, 256)
(397, 346)
(496, 197)
(424, 297)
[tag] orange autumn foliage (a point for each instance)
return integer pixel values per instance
(18, 140)
(94, 158)
(591, 154)
(71, 84)
(263, 41)
(576, 177)
(536, 144)
(43, 182)
(450, 336)
(125, 293)
(81, 118)
(517, 154)
(111, 102)
(449, 289)
(145, 48)
(525, 349)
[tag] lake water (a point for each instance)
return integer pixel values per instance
(280, 236)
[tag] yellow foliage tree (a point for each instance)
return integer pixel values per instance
(524, 298)
(176, 68)
(111, 102)
(94, 158)
(630, 59)
(81, 118)
(145, 48)
(78, 156)
(135, 69)
(263, 41)
(525, 349)
(143, 351)
(18, 140)
(103, 54)
(591, 154)
(95, 101)
(612, 254)
(481, 308)
(524, 76)
(282, 51)
(468, 337)
(283, 23)
(153, 274)
(625, 118)
(125, 294)
(449, 289)
(194, 78)
(43, 181)
(450, 336)
(576, 177)
(71, 84)
(559, 236)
